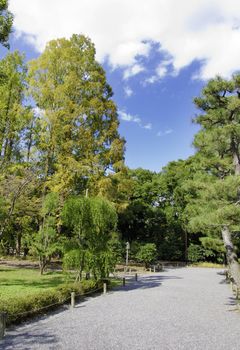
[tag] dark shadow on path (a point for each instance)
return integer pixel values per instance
(27, 340)
(232, 301)
(145, 282)
(223, 274)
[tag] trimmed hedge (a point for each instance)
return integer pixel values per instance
(25, 306)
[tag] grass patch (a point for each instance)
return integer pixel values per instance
(16, 282)
(115, 282)
(23, 292)
(207, 264)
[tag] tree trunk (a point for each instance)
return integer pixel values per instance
(185, 246)
(41, 269)
(29, 142)
(231, 255)
(19, 243)
(42, 264)
(236, 163)
(7, 127)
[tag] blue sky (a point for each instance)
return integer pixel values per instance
(167, 106)
(157, 54)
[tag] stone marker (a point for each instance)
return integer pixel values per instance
(72, 300)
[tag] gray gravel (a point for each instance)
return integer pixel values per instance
(185, 308)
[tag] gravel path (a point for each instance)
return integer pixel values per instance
(185, 308)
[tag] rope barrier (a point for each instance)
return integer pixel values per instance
(62, 302)
(55, 304)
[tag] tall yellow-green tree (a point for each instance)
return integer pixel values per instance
(15, 116)
(78, 140)
(17, 175)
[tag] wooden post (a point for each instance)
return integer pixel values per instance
(226, 274)
(124, 281)
(104, 288)
(3, 318)
(72, 300)
(237, 293)
(136, 277)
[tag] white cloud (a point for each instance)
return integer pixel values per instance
(147, 126)
(133, 70)
(161, 71)
(165, 132)
(124, 30)
(151, 80)
(128, 91)
(129, 117)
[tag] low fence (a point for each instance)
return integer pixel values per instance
(157, 267)
(125, 276)
(71, 300)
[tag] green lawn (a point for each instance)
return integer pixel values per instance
(15, 282)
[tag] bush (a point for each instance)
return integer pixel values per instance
(195, 253)
(24, 306)
(210, 250)
(147, 253)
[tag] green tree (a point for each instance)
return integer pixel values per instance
(145, 185)
(172, 199)
(195, 253)
(78, 140)
(19, 200)
(147, 254)
(15, 116)
(6, 21)
(93, 245)
(46, 241)
(216, 205)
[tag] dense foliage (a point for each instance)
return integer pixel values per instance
(90, 247)
(65, 191)
(6, 21)
(58, 142)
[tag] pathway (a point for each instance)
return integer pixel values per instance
(185, 308)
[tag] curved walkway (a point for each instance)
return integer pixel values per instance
(185, 308)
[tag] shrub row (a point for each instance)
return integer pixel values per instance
(24, 306)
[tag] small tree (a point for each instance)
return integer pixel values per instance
(76, 217)
(92, 222)
(147, 254)
(195, 253)
(45, 241)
